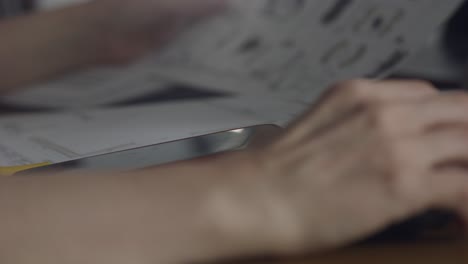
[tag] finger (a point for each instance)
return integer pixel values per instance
(344, 99)
(442, 148)
(394, 90)
(446, 181)
(426, 153)
(344, 96)
(431, 113)
(448, 189)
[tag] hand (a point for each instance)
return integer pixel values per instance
(134, 27)
(369, 155)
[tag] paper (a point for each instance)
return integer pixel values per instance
(96, 87)
(285, 52)
(291, 49)
(294, 49)
(52, 138)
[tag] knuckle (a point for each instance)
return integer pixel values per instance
(353, 83)
(400, 153)
(355, 89)
(403, 164)
(392, 157)
(386, 118)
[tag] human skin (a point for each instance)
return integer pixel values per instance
(43, 45)
(370, 154)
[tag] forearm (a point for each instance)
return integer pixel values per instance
(192, 211)
(39, 46)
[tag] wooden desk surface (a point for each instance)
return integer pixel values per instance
(448, 252)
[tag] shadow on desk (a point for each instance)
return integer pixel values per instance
(434, 252)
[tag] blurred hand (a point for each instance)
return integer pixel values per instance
(133, 27)
(370, 154)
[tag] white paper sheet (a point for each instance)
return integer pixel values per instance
(284, 51)
(52, 138)
(292, 49)
(92, 88)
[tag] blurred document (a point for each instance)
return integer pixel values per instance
(91, 88)
(292, 49)
(296, 48)
(52, 138)
(280, 55)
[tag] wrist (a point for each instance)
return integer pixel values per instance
(248, 209)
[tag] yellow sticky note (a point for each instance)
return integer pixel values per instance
(8, 171)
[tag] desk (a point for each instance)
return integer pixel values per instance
(442, 252)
